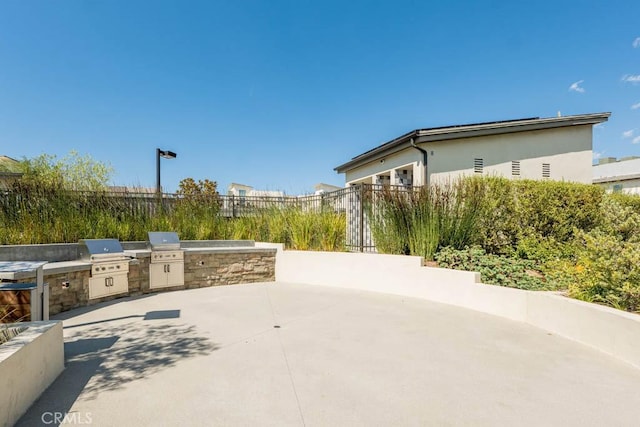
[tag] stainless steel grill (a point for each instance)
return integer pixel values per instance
(167, 260)
(109, 267)
(163, 240)
(95, 250)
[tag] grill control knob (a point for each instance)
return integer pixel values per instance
(117, 266)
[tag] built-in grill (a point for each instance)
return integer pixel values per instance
(109, 267)
(167, 260)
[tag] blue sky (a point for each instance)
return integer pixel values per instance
(275, 94)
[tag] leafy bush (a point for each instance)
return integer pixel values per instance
(543, 250)
(606, 271)
(494, 269)
(499, 223)
(536, 211)
(606, 265)
(72, 172)
(556, 209)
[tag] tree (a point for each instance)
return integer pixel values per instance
(72, 172)
(188, 188)
(199, 195)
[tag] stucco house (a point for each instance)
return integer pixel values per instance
(558, 148)
(618, 175)
(241, 190)
(322, 188)
(10, 171)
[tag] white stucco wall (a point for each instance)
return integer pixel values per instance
(568, 150)
(29, 363)
(611, 331)
(623, 173)
(411, 158)
(631, 186)
(234, 189)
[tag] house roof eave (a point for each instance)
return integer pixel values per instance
(469, 131)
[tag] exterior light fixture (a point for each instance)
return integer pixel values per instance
(167, 155)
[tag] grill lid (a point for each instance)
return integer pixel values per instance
(92, 248)
(163, 240)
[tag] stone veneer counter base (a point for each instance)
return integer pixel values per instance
(225, 264)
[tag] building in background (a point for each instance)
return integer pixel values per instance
(242, 190)
(322, 188)
(618, 176)
(558, 148)
(10, 172)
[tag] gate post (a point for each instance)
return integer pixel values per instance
(361, 219)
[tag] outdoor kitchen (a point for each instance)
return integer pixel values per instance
(96, 270)
(166, 267)
(109, 267)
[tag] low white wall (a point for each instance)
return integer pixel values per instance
(609, 330)
(29, 363)
(399, 275)
(612, 331)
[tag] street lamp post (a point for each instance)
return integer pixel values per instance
(167, 155)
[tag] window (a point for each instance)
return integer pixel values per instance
(478, 165)
(404, 177)
(515, 168)
(242, 194)
(546, 170)
(383, 179)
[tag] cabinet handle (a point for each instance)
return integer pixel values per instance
(168, 268)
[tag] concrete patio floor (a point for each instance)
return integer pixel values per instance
(292, 355)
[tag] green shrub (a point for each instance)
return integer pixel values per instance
(494, 269)
(518, 213)
(543, 250)
(556, 209)
(499, 224)
(620, 218)
(606, 270)
(631, 201)
(606, 265)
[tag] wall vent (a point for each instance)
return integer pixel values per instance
(515, 168)
(478, 165)
(546, 170)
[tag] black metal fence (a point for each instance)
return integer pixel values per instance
(350, 201)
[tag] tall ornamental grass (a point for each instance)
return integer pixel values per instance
(31, 214)
(293, 226)
(420, 221)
